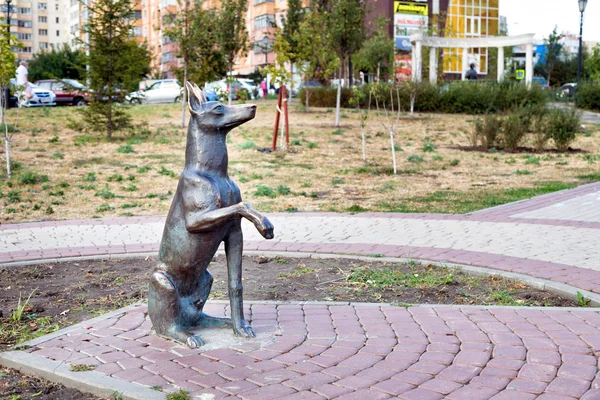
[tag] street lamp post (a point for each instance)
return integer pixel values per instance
(582, 5)
(8, 19)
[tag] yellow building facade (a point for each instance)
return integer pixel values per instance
(470, 19)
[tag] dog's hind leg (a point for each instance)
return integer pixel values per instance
(164, 309)
(208, 321)
(234, 243)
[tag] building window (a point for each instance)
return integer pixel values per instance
(257, 2)
(57, 20)
(42, 19)
(41, 6)
(23, 10)
(25, 49)
(137, 31)
(57, 33)
(74, 28)
(24, 36)
(264, 21)
(473, 26)
(56, 7)
(43, 45)
(137, 14)
(166, 57)
(24, 24)
(43, 32)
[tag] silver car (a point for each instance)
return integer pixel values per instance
(41, 97)
(163, 91)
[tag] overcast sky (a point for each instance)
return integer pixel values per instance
(540, 17)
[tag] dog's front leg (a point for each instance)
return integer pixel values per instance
(234, 243)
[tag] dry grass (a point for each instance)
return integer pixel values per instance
(323, 171)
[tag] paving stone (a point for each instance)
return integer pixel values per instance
(528, 385)
(309, 381)
(441, 386)
(568, 386)
(472, 392)
(330, 391)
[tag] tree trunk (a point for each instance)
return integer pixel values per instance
(109, 124)
(184, 97)
(6, 138)
(413, 95)
(229, 84)
(364, 149)
(306, 93)
(378, 71)
(350, 77)
(338, 99)
(393, 151)
(291, 83)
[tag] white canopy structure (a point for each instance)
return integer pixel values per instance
(419, 40)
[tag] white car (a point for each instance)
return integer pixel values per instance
(163, 91)
(41, 97)
(250, 87)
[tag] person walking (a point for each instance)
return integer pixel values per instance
(263, 87)
(22, 75)
(471, 73)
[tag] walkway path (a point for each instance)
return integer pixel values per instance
(351, 351)
(553, 237)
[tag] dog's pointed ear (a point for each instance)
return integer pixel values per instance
(201, 92)
(195, 98)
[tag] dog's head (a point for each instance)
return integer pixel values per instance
(214, 116)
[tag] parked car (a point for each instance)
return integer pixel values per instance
(41, 97)
(568, 89)
(540, 80)
(163, 91)
(219, 90)
(250, 87)
(68, 91)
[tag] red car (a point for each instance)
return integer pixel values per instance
(68, 91)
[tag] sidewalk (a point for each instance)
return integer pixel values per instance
(349, 351)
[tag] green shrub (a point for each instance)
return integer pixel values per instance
(265, 191)
(31, 178)
(283, 190)
(487, 131)
(514, 131)
(587, 96)
(415, 158)
(453, 97)
(125, 149)
(562, 126)
(428, 147)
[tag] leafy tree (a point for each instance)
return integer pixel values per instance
(345, 24)
(554, 48)
(377, 51)
(290, 29)
(116, 62)
(195, 30)
(7, 71)
(60, 63)
(592, 64)
(232, 35)
(316, 60)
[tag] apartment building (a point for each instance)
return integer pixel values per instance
(38, 24)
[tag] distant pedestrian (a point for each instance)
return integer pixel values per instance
(263, 87)
(23, 83)
(471, 73)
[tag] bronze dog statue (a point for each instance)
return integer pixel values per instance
(206, 210)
